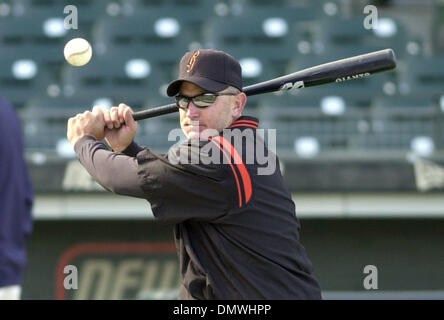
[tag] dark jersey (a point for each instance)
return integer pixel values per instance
(16, 198)
(236, 231)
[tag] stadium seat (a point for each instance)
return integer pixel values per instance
(411, 105)
(22, 77)
(255, 28)
(88, 11)
(396, 121)
(332, 134)
(296, 10)
(194, 4)
(423, 76)
(437, 29)
(160, 133)
(45, 119)
(41, 37)
(331, 120)
(350, 34)
(392, 136)
(154, 132)
(141, 28)
(168, 22)
(130, 78)
(288, 103)
(160, 39)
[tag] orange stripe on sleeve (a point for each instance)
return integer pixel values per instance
(246, 180)
(217, 143)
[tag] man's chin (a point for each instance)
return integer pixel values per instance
(193, 135)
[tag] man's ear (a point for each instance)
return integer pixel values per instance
(239, 105)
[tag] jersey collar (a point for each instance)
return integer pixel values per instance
(245, 122)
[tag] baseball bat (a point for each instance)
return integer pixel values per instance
(337, 71)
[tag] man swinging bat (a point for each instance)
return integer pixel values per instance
(236, 231)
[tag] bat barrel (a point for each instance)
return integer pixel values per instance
(351, 68)
(337, 71)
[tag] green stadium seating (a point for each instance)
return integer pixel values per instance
(396, 121)
(45, 119)
(190, 14)
(350, 35)
(137, 29)
(160, 133)
(251, 27)
(88, 11)
(437, 29)
(382, 112)
(332, 133)
(392, 136)
(25, 35)
(18, 89)
(424, 76)
(294, 117)
(115, 36)
(194, 4)
(153, 100)
(409, 105)
(287, 102)
(108, 76)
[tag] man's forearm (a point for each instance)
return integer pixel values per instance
(116, 172)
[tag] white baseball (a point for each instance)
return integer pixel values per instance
(78, 52)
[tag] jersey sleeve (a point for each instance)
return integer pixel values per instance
(114, 171)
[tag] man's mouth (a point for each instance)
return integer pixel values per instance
(195, 126)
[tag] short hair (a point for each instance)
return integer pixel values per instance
(230, 90)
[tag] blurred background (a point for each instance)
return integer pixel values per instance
(364, 159)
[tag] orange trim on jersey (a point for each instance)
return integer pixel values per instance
(217, 143)
(246, 180)
(245, 123)
(242, 125)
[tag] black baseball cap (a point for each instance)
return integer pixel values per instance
(210, 69)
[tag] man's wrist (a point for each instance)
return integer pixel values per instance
(132, 149)
(120, 148)
(127, 148)
(79, 141)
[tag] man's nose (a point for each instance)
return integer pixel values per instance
(192, 111)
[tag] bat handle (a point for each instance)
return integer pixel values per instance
(154, 112)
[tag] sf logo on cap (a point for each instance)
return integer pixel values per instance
(192, 61)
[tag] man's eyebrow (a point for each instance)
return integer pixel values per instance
(187, 96)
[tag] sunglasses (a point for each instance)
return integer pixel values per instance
(201, 101)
